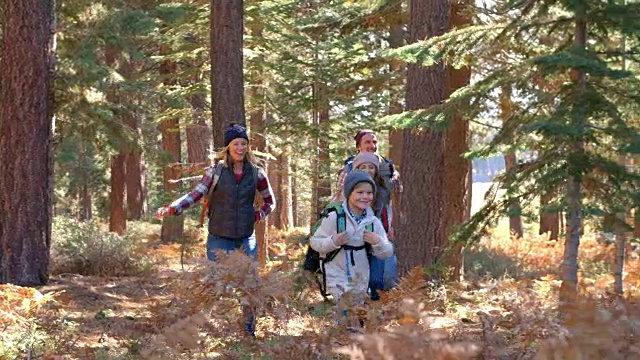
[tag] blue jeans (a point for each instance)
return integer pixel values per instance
(250, 247)
(383, 275)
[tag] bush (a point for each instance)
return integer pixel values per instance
(85, 249)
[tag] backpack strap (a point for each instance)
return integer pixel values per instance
(341, 221)
(217, 171)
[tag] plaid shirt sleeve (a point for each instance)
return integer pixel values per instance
(264, 188)
(186, 201)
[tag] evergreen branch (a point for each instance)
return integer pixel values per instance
(455, 46)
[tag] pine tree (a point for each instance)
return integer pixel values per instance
(580, 127)
(26, 185)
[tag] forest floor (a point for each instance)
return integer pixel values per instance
(505, 309)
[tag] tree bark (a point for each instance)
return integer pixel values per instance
(198, 143)
(172, 226)
(324, 158)
(274, 174)
(26, 163)
(396, 40)
(198, 134)
(568, 289)
(621, 231)
(227, 93)
(117, 197)
(636, 210)
(86, 211)
(286, 212)
(515, 219)
(134, 168)
(422, 208)
(457, 168)
(549, 220)
(118, 213)
(506, 109)
(259, 142)
(295, 203)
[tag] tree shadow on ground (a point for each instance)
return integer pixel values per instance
(482, 262)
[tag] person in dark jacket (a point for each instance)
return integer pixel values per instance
(232, 213)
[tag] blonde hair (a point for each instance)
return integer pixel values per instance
(226, 157)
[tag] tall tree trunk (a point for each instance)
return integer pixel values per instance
(549, 220)
(227, 93)
(295, 202)
(198, 134)
(117, 210)
(134, 168)
(324, 158)
(86, 212)
(26, 163)
(286, 211)
(574, 182)
(636, 211)
(259, 139)
(198, 141)
(117, 214)
(422, 208)
(515, 219)
(621, 235)
(134, 172)
(396, 40)
(457, 168)
(506, 109)
(621, 244)
(172, 226)
(275, 173)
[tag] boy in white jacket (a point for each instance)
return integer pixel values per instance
(349, 269)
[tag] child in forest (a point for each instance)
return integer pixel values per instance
(346, 265)
(384, 273)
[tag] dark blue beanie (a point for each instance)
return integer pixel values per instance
(234, 131)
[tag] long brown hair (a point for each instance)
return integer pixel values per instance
(224, 155)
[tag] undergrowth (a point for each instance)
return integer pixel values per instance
(506, 309)
(85, 248)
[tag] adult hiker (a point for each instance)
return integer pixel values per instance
(367, 141)
(346, 254)
(236, 178)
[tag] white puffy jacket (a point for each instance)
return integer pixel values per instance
(349, 262)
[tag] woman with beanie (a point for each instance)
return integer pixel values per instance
(232, 212)
(349, 268)
(367, 142)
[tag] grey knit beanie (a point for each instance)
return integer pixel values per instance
(365, 157)
(354, 178)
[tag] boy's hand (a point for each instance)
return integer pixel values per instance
(340, 239)
(371, 237)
